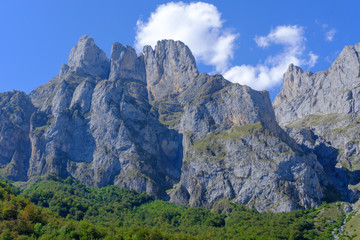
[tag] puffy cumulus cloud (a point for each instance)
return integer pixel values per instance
(261, 76)
(269, 73)
(329, 35)
(199, 25)
(289, 36)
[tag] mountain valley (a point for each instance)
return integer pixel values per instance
(152, 123)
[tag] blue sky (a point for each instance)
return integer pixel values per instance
(254, 39)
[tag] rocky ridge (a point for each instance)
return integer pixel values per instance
(151, 122)
(321, 112)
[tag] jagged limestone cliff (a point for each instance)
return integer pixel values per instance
(151, 122)
(321, 112)
(98, 127)
(15, 112)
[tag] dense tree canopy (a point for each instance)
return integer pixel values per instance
(67, 209)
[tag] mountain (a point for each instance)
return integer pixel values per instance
(153, 123)
(321, 111)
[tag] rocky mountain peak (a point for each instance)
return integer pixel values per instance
(292, 77)
(170, 68)
(86, 58)
(151, 123)
(125, 64)
(292, 69)
(348, 62)
(321, 112)
(335, 90)
(292, 81)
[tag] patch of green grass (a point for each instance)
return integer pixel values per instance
(212, 145)
(39, 130)
(314, 120)
(352, 226)
(171, 119)
(231, 134)
(162, 101)
(330, 211)
(169, 112)
(329, 217)
(350, 163)
(357, 186)
(223, 206)
(353, 141)
(347, 130)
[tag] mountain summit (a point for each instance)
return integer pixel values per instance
(335, 90)
(321, 111)
(152, 123)
(87, 58)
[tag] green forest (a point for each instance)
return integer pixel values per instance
(67, 209)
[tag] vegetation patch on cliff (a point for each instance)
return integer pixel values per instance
(234, 133)
(314, 120)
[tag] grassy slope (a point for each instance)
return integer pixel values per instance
(352, 225)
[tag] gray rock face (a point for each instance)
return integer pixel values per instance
(170, 68)
(321, 112)
(335, 90)
(87, 58)
(253, 167)
(125, 64)
(101, 131)
(152, 123)
(15, 111)
(234, 149)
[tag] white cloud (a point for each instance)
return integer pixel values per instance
(284, 35)
(199, 25)
(313, 59)
(269, 74)
(329, 35)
